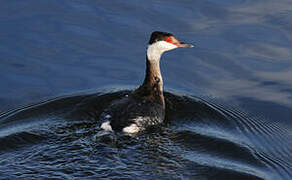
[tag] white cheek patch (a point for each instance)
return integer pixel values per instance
(155, 50)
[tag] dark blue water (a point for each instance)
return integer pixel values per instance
(229, 99)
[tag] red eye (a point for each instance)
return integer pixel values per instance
(168, 40)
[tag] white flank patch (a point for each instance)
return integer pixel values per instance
(133, 128)
(106, 126)
(155, 50)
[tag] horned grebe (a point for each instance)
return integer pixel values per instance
(144, 107)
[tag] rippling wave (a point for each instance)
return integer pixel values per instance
(201, 139)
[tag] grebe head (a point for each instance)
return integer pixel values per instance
(162, 41)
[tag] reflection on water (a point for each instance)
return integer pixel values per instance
(242, 59)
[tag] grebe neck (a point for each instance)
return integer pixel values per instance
(153, 76)
(153, 83)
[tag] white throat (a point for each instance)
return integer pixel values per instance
(155, 50)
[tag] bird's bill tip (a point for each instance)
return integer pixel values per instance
(185, 45)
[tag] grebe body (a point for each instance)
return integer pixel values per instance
(144, 107)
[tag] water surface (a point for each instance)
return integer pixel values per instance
(229, 99)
